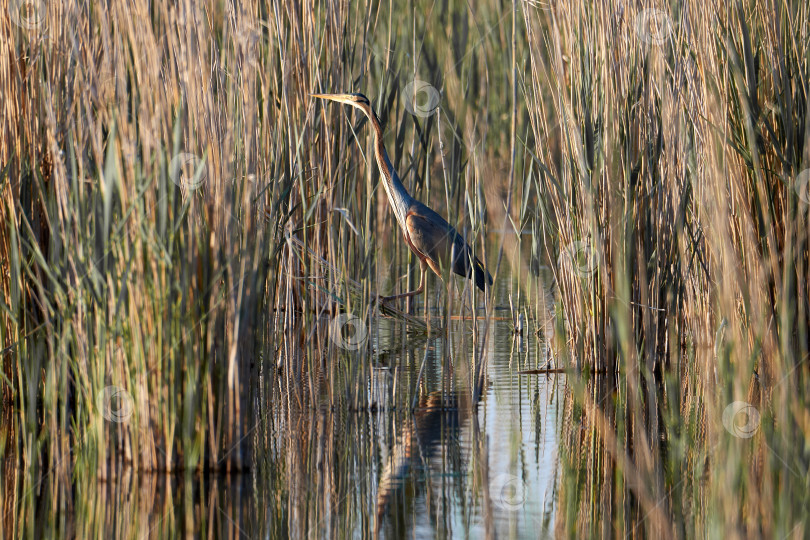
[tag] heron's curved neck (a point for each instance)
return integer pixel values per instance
(397, 194)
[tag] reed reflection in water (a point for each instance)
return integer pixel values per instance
(426, 460)
(533, 456)
(420, 459)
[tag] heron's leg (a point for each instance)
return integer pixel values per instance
(420, 290)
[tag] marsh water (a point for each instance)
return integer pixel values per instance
(423, 459)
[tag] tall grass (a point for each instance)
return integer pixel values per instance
(183, 224)
(126, 267)
(678, 207)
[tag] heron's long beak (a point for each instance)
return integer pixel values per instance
(340, 98)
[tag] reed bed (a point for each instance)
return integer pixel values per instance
(182, 227)
(676, 198)
(192, 248)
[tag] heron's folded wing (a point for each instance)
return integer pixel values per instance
(432, 237)
(436, 239)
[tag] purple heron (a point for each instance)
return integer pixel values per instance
(435, 242)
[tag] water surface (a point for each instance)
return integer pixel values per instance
(422, 458)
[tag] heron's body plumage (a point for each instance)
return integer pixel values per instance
(431, 235)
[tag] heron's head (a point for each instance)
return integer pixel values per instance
(355, 100)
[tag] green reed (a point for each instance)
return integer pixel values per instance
(678, 180)
(182, 223)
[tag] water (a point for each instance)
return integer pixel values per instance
(422, 459)
(467, 471)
